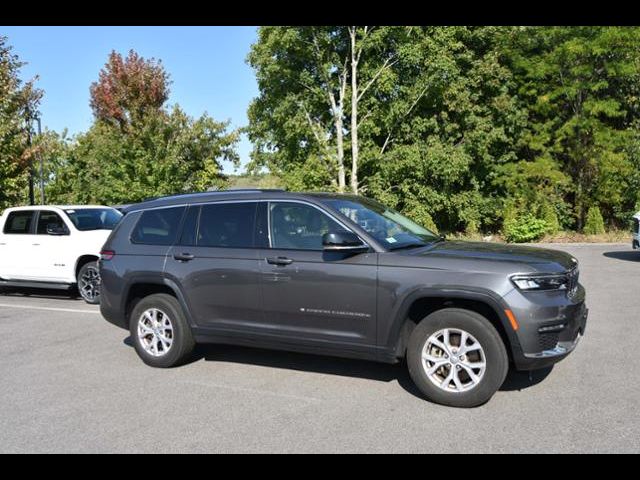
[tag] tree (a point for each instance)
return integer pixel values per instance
(128, 88)
(297, 122)
(312, 81)
(438, 139)
(18, 106)
(136, 148)
(580, 85)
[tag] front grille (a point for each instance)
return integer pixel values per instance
(548, 341)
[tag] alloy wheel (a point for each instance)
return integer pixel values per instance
(454, 360)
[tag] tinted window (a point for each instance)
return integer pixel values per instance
(227, 225)
(86, 219)
(190, 228)
(299, 227)
(158, 227)
(50, 220)
(18, 223)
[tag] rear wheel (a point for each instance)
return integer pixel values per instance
(160, 332)
(457, 358)
(89, 283)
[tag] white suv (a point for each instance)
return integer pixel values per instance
(636, 231)
(55, 247)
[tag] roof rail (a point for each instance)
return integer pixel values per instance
(214, 192)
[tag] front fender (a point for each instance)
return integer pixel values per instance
(394, 342)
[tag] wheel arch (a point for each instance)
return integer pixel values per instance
(423, 302)
(145, 286)
(83, 260)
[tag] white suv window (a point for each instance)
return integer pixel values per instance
(19, 223)
(48, 220)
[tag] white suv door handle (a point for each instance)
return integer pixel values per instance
(35, 244)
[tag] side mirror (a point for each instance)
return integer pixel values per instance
(343, 242)
(56, 230)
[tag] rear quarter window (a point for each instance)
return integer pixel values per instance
(158, 227)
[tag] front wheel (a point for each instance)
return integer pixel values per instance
(457, 358)
(89, 283)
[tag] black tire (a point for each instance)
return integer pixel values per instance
(182, 345)
(88, 289)
(497, 360)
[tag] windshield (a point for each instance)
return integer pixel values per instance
(86, 219)
(392, 229)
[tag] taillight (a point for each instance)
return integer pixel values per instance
(107, 255)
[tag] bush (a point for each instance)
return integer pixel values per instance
(549, 215)
(526, 228)
(594, 224)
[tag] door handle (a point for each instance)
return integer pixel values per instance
(184, 257)
(35, 244)
(280, 261)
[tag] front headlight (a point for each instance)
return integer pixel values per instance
(541, 282)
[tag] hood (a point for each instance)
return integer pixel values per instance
(539, 259)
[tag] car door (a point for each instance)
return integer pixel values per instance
(309, 293)
(52, 250)
(16, 260)
(216, 265)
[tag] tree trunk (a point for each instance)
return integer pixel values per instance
(342, 182)
(354, 115)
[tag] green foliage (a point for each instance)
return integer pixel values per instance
(550, 217)
(525, 228)
(465, 120)
(477, 129)
(136, 148)
(260, 180)
(594, 224)
(167, 153)
(18, 106)
(580, 86)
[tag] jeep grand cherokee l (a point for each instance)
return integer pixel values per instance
(339, 275)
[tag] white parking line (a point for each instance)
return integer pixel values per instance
(48, 309)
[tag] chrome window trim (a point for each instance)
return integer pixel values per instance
(269, 201)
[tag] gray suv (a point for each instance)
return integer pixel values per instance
(337, 275)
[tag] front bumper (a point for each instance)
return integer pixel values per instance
(551, 326)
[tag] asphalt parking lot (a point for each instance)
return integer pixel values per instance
(70, 382)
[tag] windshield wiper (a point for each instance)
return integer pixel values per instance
(408, 246)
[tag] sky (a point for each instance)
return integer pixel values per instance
(206, 64)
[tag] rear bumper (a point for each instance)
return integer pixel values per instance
(636, 241)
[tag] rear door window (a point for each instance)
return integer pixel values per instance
(19, 223)
(158, 227)
(227, 225)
